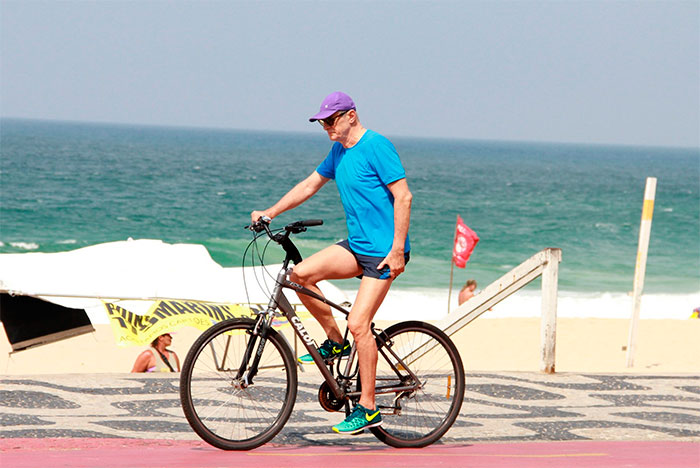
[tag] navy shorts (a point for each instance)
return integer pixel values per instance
(369, 264)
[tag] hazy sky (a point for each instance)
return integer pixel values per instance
(587, 71)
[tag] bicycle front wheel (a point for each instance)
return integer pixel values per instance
(225, 410)
(419, 417)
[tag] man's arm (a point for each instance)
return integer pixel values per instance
(295, 197)
(402, 218)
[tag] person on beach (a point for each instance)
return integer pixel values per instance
(377, 203)
(158, 358)
(467, 291)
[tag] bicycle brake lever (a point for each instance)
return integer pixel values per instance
(259, 225)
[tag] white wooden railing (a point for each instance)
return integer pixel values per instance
(544, 263)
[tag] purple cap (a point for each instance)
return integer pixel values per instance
(333, 103)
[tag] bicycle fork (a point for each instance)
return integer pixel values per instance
(245, 374)
(258, 335)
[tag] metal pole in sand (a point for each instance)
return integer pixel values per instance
(640, 268)
(452, 265)
(449, 293)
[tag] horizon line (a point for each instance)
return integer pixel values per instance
(298, 132)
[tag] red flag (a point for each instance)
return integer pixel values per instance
(465, 241)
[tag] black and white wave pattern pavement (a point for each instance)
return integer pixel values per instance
(498, 407)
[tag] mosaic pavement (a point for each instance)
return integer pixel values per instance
(497, 408)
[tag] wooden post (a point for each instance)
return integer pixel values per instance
(641, 266)
(548, 326)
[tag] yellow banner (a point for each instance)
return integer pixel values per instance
(167, 316)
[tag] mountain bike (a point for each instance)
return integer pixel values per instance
(239, 381)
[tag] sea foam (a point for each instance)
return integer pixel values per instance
(25, 245)
(431, 304)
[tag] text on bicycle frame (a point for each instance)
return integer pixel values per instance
(296, 321)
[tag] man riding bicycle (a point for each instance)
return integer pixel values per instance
(377, 203)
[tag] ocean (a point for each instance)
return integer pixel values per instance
(68, 185)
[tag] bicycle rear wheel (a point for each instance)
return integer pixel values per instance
(421, 417)
(229, 413)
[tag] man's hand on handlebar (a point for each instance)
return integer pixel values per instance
(256, 215)
(259, 220)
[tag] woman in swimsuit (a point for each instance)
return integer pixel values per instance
(158, 358)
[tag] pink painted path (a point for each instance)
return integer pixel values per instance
(136, 453)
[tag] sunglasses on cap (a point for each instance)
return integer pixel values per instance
(330, 121)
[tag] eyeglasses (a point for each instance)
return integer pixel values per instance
(330, 121)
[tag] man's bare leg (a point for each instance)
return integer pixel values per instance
(333, 262)
(369, 297)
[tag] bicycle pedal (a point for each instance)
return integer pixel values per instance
(358, 433)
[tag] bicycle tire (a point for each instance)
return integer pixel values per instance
(217, 408)
(428, 413)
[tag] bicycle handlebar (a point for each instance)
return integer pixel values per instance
(300, 226)
(310, 222)
(263, 223)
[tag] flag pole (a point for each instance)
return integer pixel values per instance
(449, 295)
(452, 269)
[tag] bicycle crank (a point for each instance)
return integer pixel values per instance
(328, 400)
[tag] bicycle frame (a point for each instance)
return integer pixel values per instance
(279, 301)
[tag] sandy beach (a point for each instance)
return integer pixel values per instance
(503, 344)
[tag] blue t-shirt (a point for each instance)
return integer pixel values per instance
(362, 174)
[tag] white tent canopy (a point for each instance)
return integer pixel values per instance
(134, 273)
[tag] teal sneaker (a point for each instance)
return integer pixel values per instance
(328, 350)
(361, 418)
